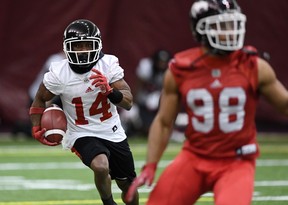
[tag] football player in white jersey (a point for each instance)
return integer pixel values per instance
(91, 85)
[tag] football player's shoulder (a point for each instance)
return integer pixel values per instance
(60, 68)
(250, 50)
(245, 54)
(185, 58)
(109, 64)
(109, 59)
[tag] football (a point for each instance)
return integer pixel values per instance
(55, 122)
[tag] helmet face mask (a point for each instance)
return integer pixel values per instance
(224, 31)
(82, 45)
(82, 57)
(218, 25)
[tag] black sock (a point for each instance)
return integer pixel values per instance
(109, 201)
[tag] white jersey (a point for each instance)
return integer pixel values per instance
(35, 85)
(88, 112)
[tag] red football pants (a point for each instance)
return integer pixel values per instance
(189, 176)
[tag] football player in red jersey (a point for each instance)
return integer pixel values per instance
(219, 84)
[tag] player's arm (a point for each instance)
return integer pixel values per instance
(42, 96)
(271, 88)
(123, 87)
(160, 129)
(159, 134)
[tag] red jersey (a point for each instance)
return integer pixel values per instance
(220, 96)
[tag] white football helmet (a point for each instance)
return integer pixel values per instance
(218, 24)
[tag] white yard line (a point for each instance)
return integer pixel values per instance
(79, 165)
(21, 183)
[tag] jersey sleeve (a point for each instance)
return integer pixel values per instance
(52, 82)
(116, 71)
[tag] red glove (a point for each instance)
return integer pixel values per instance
(146, 177)
(99, 80)
(38, 134)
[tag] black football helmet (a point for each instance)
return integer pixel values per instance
(218, 24)
(82, 30)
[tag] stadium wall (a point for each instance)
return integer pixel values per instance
(32, 30)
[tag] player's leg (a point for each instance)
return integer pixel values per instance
(102, 179)
(236, 184)
(94, 154)
(122, 167)
(180, 183)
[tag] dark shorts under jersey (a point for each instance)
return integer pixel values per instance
(120, 158)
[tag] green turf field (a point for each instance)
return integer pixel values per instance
(34, 174)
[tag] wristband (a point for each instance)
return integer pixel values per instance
(115, 96)
(36, 110)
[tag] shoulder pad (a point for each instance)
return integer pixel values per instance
(250, 50)
(187, 57)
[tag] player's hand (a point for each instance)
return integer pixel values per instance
(146, 177)
(99, 80)
(38, 134)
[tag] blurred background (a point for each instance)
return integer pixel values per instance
(32, 30)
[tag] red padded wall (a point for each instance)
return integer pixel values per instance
(32, 30)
